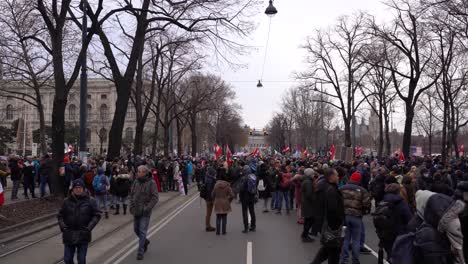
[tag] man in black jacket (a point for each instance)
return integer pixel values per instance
(333, 214)
(77, 218)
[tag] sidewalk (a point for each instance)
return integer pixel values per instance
(113, 227)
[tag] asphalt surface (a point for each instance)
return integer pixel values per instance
(182, 239)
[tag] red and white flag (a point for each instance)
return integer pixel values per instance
(228, 156)
(254, 153)
(461, 149)
(332, 152)
(2, 195)
(217, 151)
(306, 153)
(401, 157)
(286, 149)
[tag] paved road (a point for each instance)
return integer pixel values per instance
(181, 239)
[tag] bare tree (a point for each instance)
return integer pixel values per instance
(25, 63)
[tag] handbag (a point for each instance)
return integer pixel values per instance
(329, 237)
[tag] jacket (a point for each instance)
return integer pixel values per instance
(402, 209)
(15, 171)
(121, 185)
(77, 218)
(244, 195)
(267, 182)
(143, 196)
(309, 199)
(45, 168)
(356, 199)
(210, 181)
(222, 195)
(331, 201)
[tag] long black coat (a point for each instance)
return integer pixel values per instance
(77, 218)
(309, 199)
(267, 181)
(331, 204)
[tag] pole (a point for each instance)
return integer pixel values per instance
(353, 113)
(24, 131)
(83, 89)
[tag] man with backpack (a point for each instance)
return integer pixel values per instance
(391, 217)
(356, 204)
(247, 195)
(101, 186)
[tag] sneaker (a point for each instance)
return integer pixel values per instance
(365, 251)
(252, 229)
(210, 229)
(266, 211)
(245, 231)
(140, 257)
(147, 242)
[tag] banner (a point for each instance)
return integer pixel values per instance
(332, 152)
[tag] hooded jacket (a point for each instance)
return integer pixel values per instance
(244, 194)
(356, 199)
(143, 196)
(222, 196)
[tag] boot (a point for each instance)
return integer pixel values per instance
(106, 215)
(125, 209)
(117, 209)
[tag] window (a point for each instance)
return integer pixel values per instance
(104, 112)
(88, 135)
(89, 96)
(131, 112)
(9, 112)
(129, 133)
(103, 135)
(90, 108)
(104, 96)
(72, 112)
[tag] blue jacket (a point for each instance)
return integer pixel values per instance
(402, 209)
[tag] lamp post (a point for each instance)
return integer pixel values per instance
(83, 88)
(271, 10)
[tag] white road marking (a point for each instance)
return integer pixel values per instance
(132, 246)
(375, 254)
(249, 252)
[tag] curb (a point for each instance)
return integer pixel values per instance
(29, 222)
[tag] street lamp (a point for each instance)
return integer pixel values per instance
(83, 88)
(259, 84)
(271, 10)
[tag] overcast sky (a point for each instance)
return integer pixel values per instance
(294, 22)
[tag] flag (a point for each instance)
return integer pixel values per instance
(359, 151)
(228, 156)
(401, 157)
(286, 149)
(2, 195)
(71, 148)
(254, 153)
(461, 149)
(332, 152)
(217, 151)
(306, 153)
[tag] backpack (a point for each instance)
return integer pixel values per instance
(261, 186)
(285, 181)
(203, 191)
(98, 184)
(251, 184)
(385, 219)
(403, 249)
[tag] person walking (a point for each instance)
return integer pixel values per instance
(101, 186)
(223, 196)
(264, 186)
(247, 195)
(356, 203)
(45, 169)
(205, 193)
(77, 218)
(143, 197)
(121, 185)
(309, 203)
(15, 176)
(333, 219)
(28, 178)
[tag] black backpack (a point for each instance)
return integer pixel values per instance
(385, 218)
(203, 191)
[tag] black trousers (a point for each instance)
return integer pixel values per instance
(221, 222)
(184, 182)
(250, 206)
(324, 253)
(308, 223)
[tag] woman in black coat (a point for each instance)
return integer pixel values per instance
(121, 188)
(264, 186)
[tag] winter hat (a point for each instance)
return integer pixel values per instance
(309, 172)
(422, 196)
(355, 177)
(78, 183)
(392, 188)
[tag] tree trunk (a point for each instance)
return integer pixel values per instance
(347, 124)
(193, 128)
(115, 133)
(154, 143)
(408, 130)
(381, 137)
(42, 127)
(58, 139)
(138, 140)
(444, 134)
(179, 137)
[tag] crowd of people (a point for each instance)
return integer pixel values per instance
(417, 207)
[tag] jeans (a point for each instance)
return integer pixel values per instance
(353, 233)
(308, 222)
(101, 201)
(279, 201)
(265, 204)
(221, 222)
(140, 227)
(324, 253)
(363, 235)
(120, 200)
(209, 211)
(273, 200)
(14, 191)
(70, 253)
(44, 180)
(251, 210)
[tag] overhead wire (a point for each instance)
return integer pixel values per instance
(266, 49)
